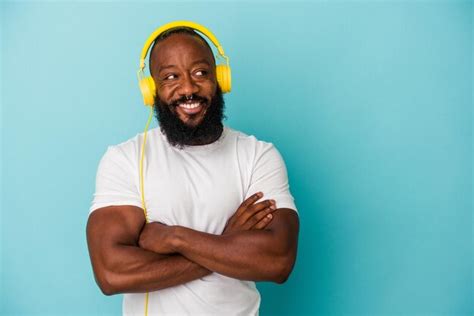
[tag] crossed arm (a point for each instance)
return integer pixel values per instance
(129, 256)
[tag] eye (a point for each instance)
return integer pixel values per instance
(170, 77)
(201, 73)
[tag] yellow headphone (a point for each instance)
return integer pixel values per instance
(147, 84)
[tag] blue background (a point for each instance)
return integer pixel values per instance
(369, 102)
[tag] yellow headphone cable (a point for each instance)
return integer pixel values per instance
(142, 156)
(148, 89)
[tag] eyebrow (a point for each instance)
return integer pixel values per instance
(160, 69)
(200, 61)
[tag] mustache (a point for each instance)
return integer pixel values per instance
(192, 97)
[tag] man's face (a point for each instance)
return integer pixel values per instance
(184, 73)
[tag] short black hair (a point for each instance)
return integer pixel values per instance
(178, 30)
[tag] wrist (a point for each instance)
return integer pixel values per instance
(177, 238)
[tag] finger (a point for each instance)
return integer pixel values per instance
(258, 216)
(263, 222)
(249, 201)
(261, 215)
(254, 209)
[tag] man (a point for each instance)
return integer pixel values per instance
(221, 214)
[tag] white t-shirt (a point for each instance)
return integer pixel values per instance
(199, 187)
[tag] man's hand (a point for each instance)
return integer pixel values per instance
(157, 237)
(251, 215)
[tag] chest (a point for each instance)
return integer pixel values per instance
(198, 191)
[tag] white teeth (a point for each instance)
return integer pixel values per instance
(190, 106)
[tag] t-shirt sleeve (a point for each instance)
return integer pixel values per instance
(116, 181)
(269, 175)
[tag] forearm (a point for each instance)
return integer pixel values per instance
(134, 270)
(246, 255)
(258, 254)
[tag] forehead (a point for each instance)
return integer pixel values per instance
(180, 48)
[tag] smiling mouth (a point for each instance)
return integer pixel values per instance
(191, 107)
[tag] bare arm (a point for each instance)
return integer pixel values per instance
(121, 266)
(259, 255)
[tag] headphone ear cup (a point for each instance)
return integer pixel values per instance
(148, 89)
(224, 79)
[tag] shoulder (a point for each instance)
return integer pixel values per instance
(251, 147)
(249, 142)
(129, 149)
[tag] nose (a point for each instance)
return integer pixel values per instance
(187, 86)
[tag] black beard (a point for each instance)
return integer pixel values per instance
(179, 134)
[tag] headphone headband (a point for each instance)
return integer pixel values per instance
(147, 83)
(168, 26)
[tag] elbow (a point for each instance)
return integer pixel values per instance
(107, 284)
(281, 279)
(107, 289)
(283, 270)
(282, 275)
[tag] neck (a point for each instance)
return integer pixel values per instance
(205, 140)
